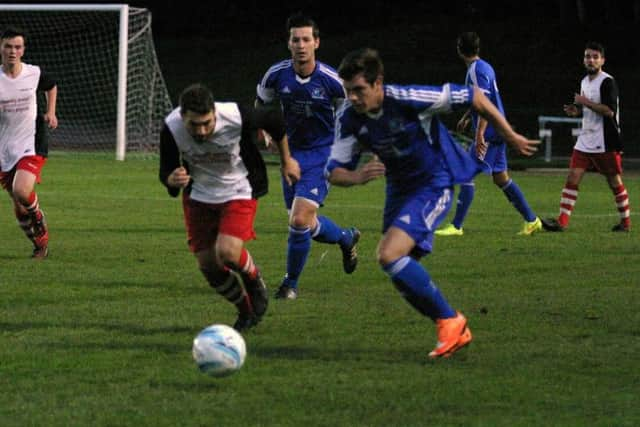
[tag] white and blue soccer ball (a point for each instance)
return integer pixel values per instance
(219, 350)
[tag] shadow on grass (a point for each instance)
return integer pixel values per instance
(119, 345)
(326, 354)
(132, 329)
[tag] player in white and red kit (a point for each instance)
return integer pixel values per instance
(23, 145)
(208, 150)
(599, 146)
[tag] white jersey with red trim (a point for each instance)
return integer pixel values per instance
(599, 133)
(18, 112)
(216, 167)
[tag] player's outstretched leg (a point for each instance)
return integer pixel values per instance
(416, 286)
(328, 231)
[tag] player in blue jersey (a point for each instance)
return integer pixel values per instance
(488, 146)
(309, 93)
(421, 162)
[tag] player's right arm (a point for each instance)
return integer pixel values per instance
(266, 95)
(172, 174)
(571, 110)
(342, 167)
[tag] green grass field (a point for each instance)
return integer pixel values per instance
(100, 333)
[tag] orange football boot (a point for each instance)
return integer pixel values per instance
(453, 334)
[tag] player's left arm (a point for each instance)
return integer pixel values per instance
(341, 168)
(608, 99)
(486, 109)
(272, 121)
(481, 144)
(50, 116)
(345, 177)
(48, 85)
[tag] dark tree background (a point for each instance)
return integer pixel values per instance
(536, 47)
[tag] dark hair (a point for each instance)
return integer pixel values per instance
(468, 44)
(598, 47)
(299, 20)
(11, 32)
(198, 99)
(366, 61)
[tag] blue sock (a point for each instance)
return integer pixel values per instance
(515, 196)
(467, 192)
(416, 286)
(298, 247)
(328, 231)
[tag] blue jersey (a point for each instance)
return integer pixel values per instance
(407, 136)
(481, 74)
(309, 103)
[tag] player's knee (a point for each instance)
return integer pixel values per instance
(501, 179)
(21, 194)
(227, 254)
(386, 256)
(300, 221)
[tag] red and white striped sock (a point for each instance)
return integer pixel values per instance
(24, 221)
(33, 207)
(246, 265)
(567, 203)
(622, 203)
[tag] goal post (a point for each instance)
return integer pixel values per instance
(546, 133)
(111, 92)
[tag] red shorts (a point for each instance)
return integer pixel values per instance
(31, 164)
(204, 221)
(608, 163)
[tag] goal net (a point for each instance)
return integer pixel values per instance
(111, 93)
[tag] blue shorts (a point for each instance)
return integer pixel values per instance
(495, 158)
(313, 184)
(419, 215)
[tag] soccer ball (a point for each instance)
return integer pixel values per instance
(219, 350)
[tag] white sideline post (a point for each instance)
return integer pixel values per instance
(123, 53)
(546, 134)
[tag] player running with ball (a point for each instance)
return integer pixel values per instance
(207, 149)
(421, 162)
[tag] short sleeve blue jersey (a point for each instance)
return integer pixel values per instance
(407, 136)
(481, 74)
(308, 103)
